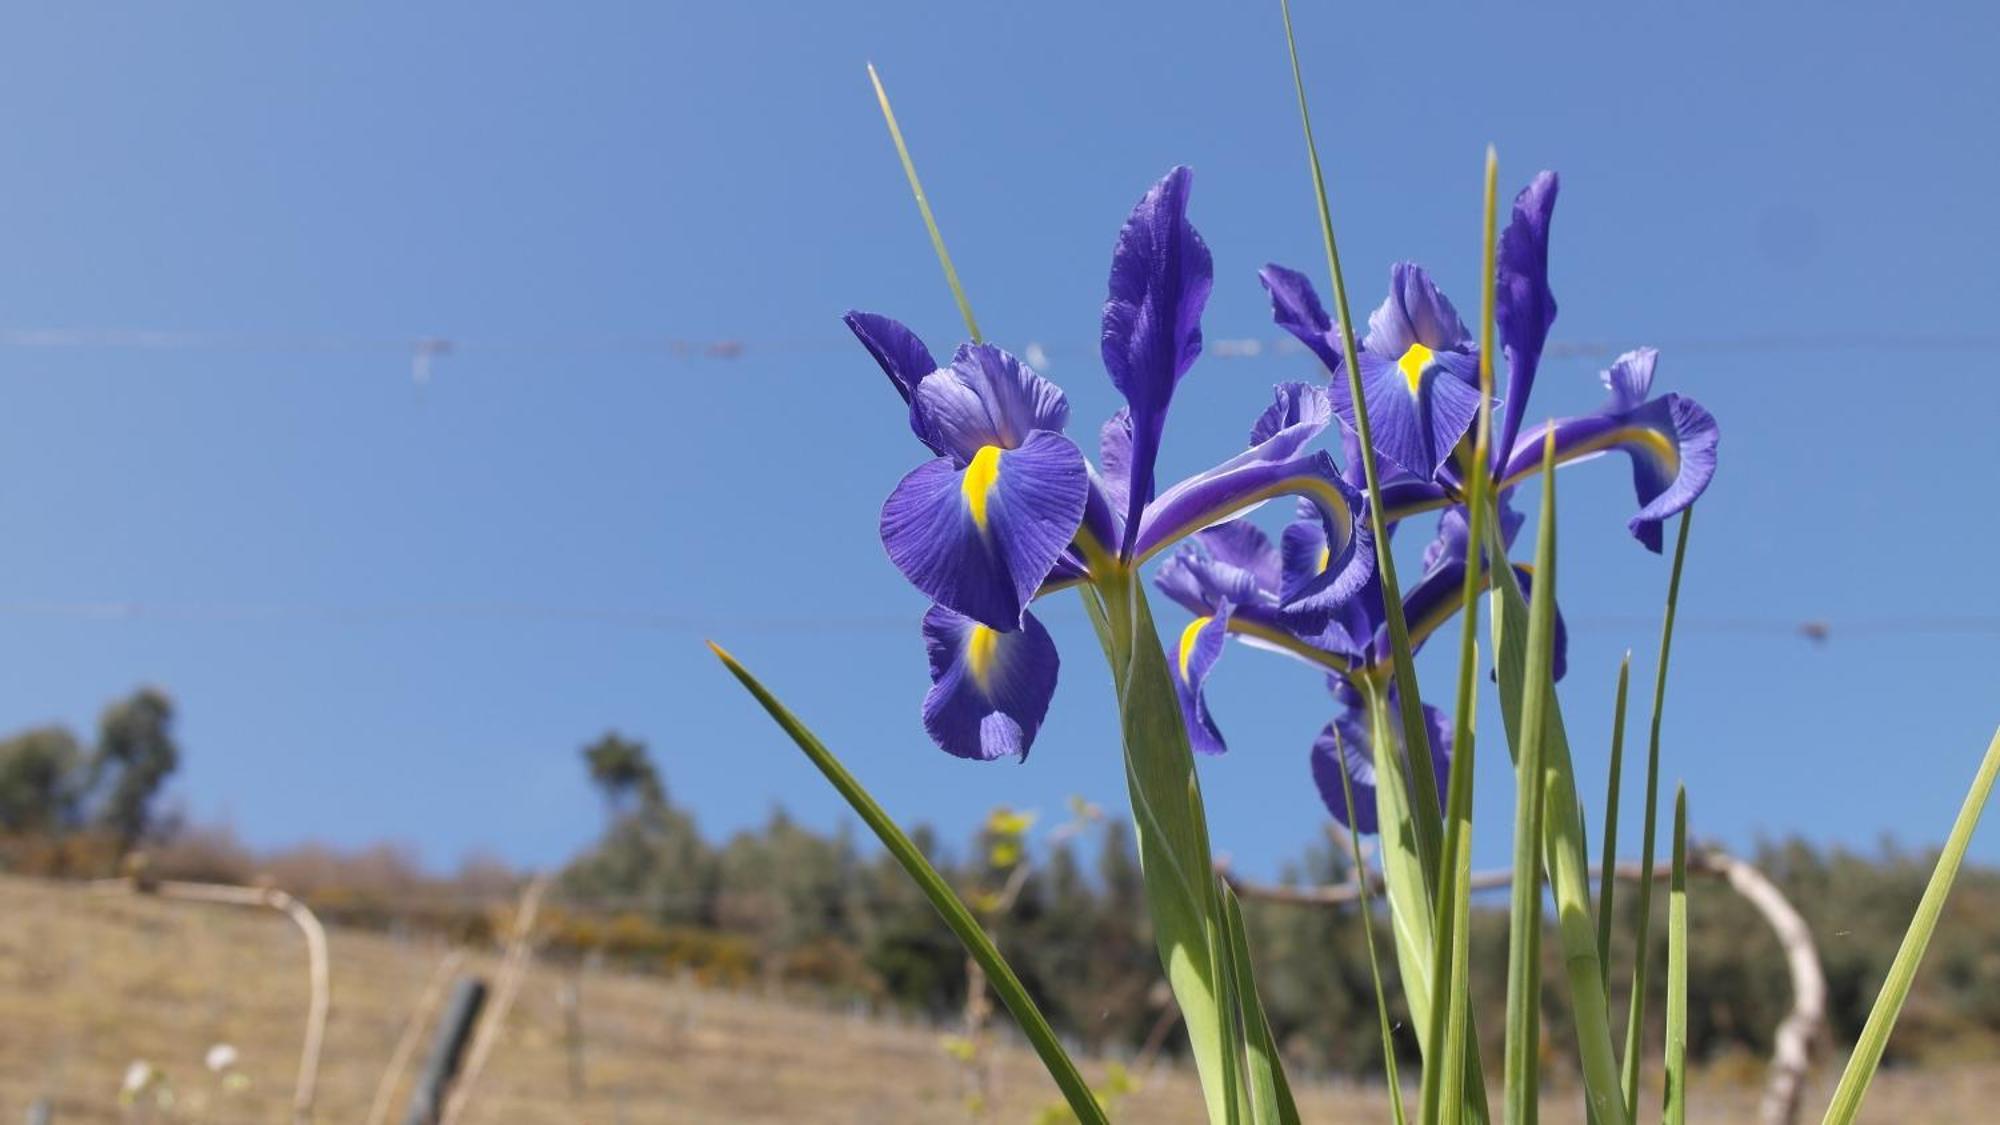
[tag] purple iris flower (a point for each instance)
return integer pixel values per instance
(1231, 578)
(1346, 745)
(1671, 439)
(1010, 508)
(1419, 365)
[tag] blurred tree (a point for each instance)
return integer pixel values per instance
(135, 755)
(42, 775)
(622, 772)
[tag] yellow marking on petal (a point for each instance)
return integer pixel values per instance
(980, 477)
(1325, 559)
(982, 651)
(1188, 636)
(1414, 363)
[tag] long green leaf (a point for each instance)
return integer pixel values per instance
(1524, 942)
(1868, 1049)
(1677, 969)
(1566, 854)
(968, 930)
(1608, 877)
(924, 206)
(1412, 911)
(1271, 1095)
(1635, 1019)
(1361, 881)
(1172, 830)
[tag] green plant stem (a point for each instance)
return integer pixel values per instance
(1677, 970)
(1368, 938)
(1608, 877)
(966, 927)
(1635, 1023)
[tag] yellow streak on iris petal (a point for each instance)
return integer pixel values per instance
(980, 477)
(1414, 363)
(982, 651)
(1325, 559)
(1644, 440)
(1188, 636)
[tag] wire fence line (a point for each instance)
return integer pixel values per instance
(1817, 630)
(424, 352)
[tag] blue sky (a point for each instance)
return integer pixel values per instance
(392, 609)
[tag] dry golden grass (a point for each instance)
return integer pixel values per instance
(90, 982)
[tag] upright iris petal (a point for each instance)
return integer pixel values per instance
(980, 528)
(1672, 441)
(1295, 308)
(1524, 306)
(901, 355)
(1161, 274)
(989, 690)
(1346, 746)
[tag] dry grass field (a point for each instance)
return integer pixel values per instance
(90, 982)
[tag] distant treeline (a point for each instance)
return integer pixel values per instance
(786, 906)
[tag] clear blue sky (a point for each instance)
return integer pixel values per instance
(343, 574)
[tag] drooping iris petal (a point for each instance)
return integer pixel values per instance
(1161, 274)
(1345, 746)
(986, 398)
(901, 355)
(1419, 376)
(1672, 441)
(1199, 648)
(1524, 306)
(981, 538)
(1295, 308)
(989, 690)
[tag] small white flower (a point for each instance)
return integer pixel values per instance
(138, 1077)
(220, 1057)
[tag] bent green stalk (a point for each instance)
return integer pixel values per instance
(967, 928)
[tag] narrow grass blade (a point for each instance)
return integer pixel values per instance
(1271, 1095)
(1455, 1074)
(1635, 1021)
(1524, 942)
(1428, 822)
(1361, 880)
(1412, 907)
(1677, 969)
(1903, 970)
(924, 206)
(998, 973)
(1172, 830)
(1566, 854)
(1608, 878)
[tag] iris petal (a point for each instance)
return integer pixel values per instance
(989, 690)
(1524, 306)
(1161, 274)
(901, 355)
(1672, 442)
(986, 398)
(981, 538)
(1295, 308)
(1200, 647)
(1354, 754)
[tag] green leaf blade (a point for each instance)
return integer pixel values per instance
(1867, 1056)
(1677, 971)
(961, 921)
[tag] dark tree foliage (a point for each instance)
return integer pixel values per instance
(135, 755)
(41, 782)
